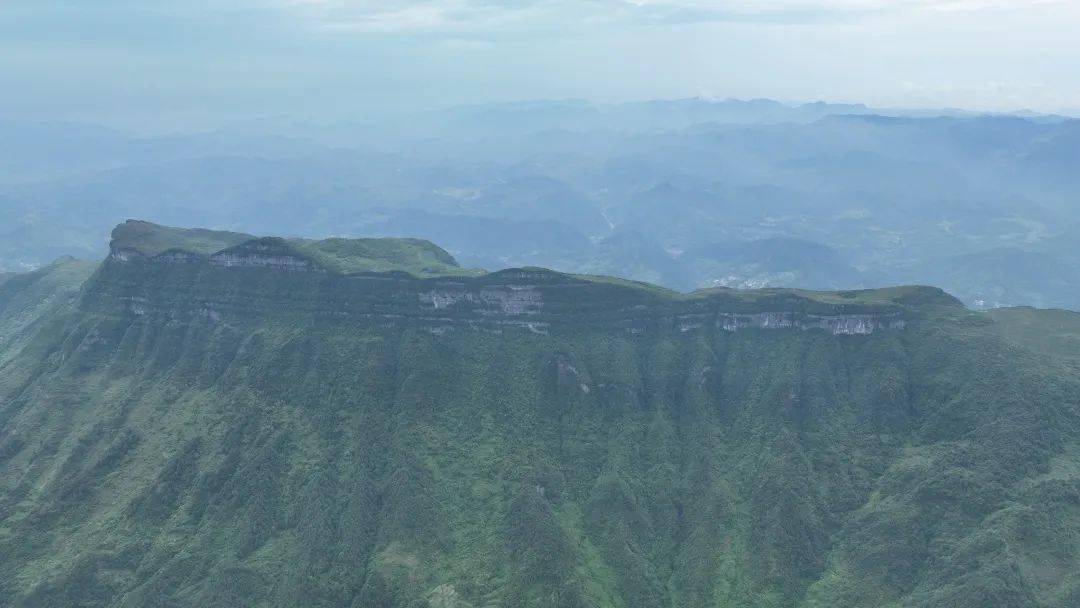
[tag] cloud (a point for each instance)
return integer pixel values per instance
(121, 58)
(420, 16)
(464, 17)
(426, 16)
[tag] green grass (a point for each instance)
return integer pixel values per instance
(152, 239)
(417, 257)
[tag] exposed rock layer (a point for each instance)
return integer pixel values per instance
(266, 281)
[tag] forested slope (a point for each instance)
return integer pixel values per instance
(191, 432)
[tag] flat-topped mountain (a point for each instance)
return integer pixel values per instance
(397, 279)
(218, 419)
(343, 256)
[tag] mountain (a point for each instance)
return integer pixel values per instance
(217, 419)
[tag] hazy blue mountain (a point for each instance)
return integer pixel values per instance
(897, 196)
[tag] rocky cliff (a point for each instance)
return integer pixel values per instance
(271, 276)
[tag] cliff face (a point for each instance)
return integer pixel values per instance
(267, 276)
(190, 433)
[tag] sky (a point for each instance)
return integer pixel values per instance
(165, 64)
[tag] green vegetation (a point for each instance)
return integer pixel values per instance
(187, 435)
(28, 298)
(911, 295)
(1055, 333)
(152, 239)
(417, 257)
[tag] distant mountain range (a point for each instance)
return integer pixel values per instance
(686, 193)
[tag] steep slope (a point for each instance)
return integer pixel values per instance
(27, 298)
(201, 431)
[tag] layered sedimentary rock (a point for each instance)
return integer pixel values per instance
(267, 277)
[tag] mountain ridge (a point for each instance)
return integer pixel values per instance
(532, 298)
(163, 243)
